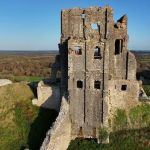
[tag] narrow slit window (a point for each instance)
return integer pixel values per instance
(124, 87)
(94, 26)
(80, 84)
(97, 53)
(78, 50)
(97, 84)
(118, 46)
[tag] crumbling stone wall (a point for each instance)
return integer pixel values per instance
(47, 96)
(59, 136)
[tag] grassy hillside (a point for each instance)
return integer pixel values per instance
(21, 124)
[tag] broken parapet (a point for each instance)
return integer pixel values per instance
(59, 136)
(48, 96)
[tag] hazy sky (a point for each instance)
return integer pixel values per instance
(35, 24)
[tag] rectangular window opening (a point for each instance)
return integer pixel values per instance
(124, 87)
(118, 46)
(97, 84)
(80, 84)
(97, 53)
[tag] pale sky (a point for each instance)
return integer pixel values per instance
(35, 24)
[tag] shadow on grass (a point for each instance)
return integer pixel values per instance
(39, 128)
(33, 86)
(46, 117)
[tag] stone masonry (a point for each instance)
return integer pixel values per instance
(98, 73)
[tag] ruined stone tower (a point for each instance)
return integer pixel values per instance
(96, 67)
(98, 75)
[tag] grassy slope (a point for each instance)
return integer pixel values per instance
(12, 122)
(21, 124)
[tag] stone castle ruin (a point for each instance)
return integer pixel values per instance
(98, 74)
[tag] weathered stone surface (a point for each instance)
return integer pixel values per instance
(98, 71)
(5, 82)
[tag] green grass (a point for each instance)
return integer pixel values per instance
(120, 120)
(147, 89)
(123, 140)
(27, 78)
(140, 116)
(22, 78)
(22, 124)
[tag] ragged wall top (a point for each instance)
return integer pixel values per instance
(81, 23)
(97, 24)
(86, 23)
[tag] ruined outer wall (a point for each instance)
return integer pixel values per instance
(59, 136)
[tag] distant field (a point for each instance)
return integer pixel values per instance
(37, 64)
(15, 65)
(28, 53)
(143, 59)
(143, 69)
